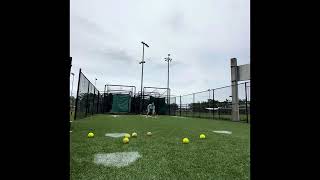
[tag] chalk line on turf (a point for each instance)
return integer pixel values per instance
(223, 132)
(179, 117)
(117, 159)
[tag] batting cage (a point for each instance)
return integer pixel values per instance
(158, 96)
(119, 99)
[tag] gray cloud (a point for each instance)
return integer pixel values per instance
(200, 36)
(86, 25)
(176, 21)
(115, 55)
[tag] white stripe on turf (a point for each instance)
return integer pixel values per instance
(223, 132)
(178, 116)
(118, 159)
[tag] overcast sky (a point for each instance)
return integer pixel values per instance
(201, 37)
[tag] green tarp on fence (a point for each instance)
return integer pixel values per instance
(121, 103)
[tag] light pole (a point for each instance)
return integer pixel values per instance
(168, 59)
(142, 62)
(95, 82)
(72, 83)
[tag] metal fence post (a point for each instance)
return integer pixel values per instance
(193, 105)
(186, 107)
(69, 72)
(94, 100)
(87, 104)
(98, 102)
(77, 98)
(213, 103)
(200, 108)
(209, 102)
(142, 98)
(245, 86)
(180, 105)
(94, 95)
(169, 102)
(104, 99)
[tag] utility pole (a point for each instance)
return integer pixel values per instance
(168, 59)
(234, 90)
(142, 62)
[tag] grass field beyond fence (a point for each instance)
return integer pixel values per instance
(163, 156)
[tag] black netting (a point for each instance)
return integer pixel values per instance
(135, 104)
(159, 97)
(82, 96)
(173, 106)
(88, 98)
(119, 99)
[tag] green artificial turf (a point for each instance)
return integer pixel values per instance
(163, 156)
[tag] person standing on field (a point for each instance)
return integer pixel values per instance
(151, 109)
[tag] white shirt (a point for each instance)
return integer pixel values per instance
(150, 106)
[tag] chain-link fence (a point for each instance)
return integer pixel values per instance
(212, 103)
(186, 102)
(223, 103)
(173, 106)
(243, 101)
(201, 104)
(88, 100)
(215, 103)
